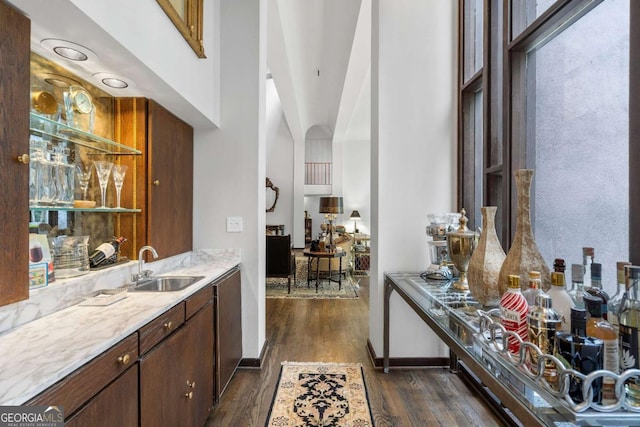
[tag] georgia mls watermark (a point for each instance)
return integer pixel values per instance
(31, 416)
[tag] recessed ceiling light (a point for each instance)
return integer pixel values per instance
(69, 50)
(113, 80)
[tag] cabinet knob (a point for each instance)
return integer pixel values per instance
(124, 359)
(189, 395)
(168, 325)
(156, 182)
(23, 158)
(191, 384)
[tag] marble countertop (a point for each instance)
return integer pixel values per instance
(39, 353)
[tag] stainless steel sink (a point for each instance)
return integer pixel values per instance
(165, 283)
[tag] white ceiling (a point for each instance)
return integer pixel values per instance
(305, 38)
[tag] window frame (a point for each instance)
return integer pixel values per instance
(506, 55)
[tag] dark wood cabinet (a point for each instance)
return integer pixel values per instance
(116, 405)
(163, 178)
(176, 377)
(228, 329)
(15, 36)
(308, 232)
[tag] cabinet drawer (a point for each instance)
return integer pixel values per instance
(198, 300)
(156, 330)
(81, 385)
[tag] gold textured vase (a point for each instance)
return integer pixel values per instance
(524, 254)
(486, 262)
(460, 244)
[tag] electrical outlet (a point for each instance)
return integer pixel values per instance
(234, 224)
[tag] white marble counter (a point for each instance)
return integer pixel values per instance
(37, 354)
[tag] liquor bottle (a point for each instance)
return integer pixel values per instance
(535, 288)
(577, 288)
(599, 328)
(616, 300)
(513, 312)
(542, 323)
(630, 334)
(562, 301)
(578, 351)
(587, 259)
(105, 253)
(596, 288)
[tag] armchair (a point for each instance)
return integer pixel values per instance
(280, 259)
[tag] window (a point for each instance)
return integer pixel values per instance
(186, 15)
(557, 100)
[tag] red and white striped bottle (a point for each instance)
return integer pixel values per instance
(513, 312)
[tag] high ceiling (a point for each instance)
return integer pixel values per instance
(319, 55)
(318, 52)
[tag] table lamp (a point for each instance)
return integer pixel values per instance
(331, 207)
(355, 216)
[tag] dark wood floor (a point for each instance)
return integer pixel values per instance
(306, 330)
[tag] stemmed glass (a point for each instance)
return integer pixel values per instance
(118, 179)
(103, 170)
(83, 172)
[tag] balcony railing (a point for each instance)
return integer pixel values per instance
(318, 173)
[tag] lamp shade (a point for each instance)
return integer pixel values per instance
(355, 216)
(331, 205)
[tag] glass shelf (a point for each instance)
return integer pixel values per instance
(95, 210)
(42, 126)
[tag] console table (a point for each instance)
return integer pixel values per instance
(452, 316)
(323, 254)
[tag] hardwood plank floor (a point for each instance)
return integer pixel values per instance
(306, 330)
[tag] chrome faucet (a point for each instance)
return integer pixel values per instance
(143, 274)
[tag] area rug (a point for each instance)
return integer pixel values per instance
(320, 394)
(277, 288)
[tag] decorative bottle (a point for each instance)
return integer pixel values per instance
(535, 283)
(630, 334)
(105, 253)
(542, 322)
(486, 261)
(577, 287)
(616, 299)
(524, 254)
(578, 351)
(596, 288)
(513, 312)
(587, 259)
(559, 265)
(562, 302)
(598, 327)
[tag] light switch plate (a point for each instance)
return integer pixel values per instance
(234, 224)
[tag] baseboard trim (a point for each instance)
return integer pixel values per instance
(254, 363)
(407, 362)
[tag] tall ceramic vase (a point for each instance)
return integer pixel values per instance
(524, 255)
(486, 261)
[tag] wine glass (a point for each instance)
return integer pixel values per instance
(103, 170)
(83, 172)
(118, 179)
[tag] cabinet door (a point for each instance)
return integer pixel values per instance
(170, 182)
(116, 405)
(15, 33)
(168, 395)
(228, 329)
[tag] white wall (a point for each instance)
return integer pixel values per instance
(413, 152)
(357, 183)
(279, 159)
(229, 163)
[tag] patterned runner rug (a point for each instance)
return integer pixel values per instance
(320, 394)
(277, 287)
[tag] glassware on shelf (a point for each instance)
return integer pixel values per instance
(64, 177)
(103, 170)
(118, 173)
(83, 172)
